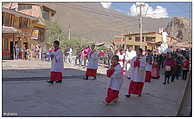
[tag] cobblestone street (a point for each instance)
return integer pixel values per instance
(26, 93)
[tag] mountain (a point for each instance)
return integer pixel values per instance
(180, 28)
(92, 22)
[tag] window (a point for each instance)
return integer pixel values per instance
(6, 44)
(151, 39)
(137, 39)
(23, 23)
(24, 7)
(137, 47)
(45, 13)
(6, 19)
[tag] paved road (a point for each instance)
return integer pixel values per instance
(76, 97)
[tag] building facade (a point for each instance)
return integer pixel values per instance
(38, 10)
(150, 40)
(17, 31)
(34, 31)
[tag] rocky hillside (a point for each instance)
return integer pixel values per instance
(90, 21)
(180, 28)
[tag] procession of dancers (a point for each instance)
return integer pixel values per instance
(138, 66)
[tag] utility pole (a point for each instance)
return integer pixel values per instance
(69, 32)
(140, 23)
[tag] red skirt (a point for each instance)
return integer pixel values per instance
(91, 72)
(148, 76)
(56, 76)
(111, 95)
(135, 87)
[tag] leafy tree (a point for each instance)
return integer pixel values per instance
(55, 33)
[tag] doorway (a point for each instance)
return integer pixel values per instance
(11, 50)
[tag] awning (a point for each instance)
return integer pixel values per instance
(7, 29)
(99, 44)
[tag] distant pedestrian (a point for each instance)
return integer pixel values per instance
(115, 80)
(78, 57)
(185, 68)
(69, 56)
(168, 64)
(109, 56)
(57, 65)
(148, 67)
(155, 70)
(121, 55)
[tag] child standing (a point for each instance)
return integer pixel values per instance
(115, 80)
(57, 64)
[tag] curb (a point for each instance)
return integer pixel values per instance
(180, 102)
(36, 78)
(41, 78)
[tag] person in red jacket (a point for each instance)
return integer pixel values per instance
(185, 68)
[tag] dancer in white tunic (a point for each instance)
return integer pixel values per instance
(92, 65)
(57, 65)
(121, 55)
(115, 80)
(138, 64)
(132, 54)
(149, 60)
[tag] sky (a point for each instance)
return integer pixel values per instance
(153, 9)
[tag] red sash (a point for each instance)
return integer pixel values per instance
(110, 71)
(137, 63)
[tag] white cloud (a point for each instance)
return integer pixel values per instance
(106, 4)
(158, 12)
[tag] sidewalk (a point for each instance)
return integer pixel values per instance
(40, 69)
(76, 97)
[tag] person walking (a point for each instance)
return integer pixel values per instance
(138, 64)
(185, 68)
(92, 64)
(57, 65)
(168, 64)
(148, 67)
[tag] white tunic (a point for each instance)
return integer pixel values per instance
(116, 80)
(138, 73)
(121, 58)
(127, 56)
(57, 62)
(148, 67)
(93, 61)
(132, 54)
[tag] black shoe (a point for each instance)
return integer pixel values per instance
(60, 81)
(85, 78)
(139, 95)
(172, 80)
(128, 96)
(164, 83)
(129, 78)
(51, 82)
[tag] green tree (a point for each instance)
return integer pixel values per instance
(56, 33)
